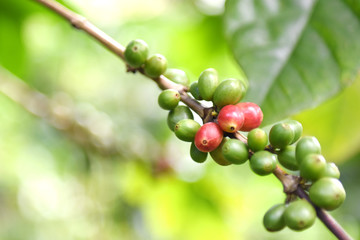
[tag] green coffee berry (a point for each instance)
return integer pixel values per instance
(299, 215)
(169, 99)
(177, 76)
(312, 166)
(208, 81)
(287, 158)
(281, 135)
(305, 146)
(177, 114)
(263, 162)
(197, 155)
(297, 128)
(194, 90)
(155, 65)
(327, 193)
(229, 92)
(331, 170)
(136, 53)
(218, 156)
(274, 218)
(257, 139)
(235, 151)
(186, 129)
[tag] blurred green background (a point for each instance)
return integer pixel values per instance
(116, 171)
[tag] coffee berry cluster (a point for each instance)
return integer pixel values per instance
(300, 156)
(318, 177)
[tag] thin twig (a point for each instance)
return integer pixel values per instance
(82, 23)
(205, 113)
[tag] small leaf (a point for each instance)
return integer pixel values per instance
(296, 54)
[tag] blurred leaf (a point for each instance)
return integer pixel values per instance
(12, 50)
(13, 38)
(296, 54)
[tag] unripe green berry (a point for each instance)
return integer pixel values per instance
(169, 99)
(194, 90)
(281, 135)
(312, 166)
(297, 128)
(305, 146)
(208, 81)
(274, 218)
(177, 114)
(218, 156)
(136, 53)
(229, 92)
(299, 215)
(197, 155)
(257, 139)
(263, 162)
(331, 170)
(287, 158)
(155, 65)
(186, 129)
(177, 76)
(235, 151)
(327, 193)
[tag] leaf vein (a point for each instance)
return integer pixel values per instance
(309, 16)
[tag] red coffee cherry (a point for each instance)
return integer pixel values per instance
(253, 115)
(209, 137)
(230, 118)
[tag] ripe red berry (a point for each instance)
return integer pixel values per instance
(209, 137)
(230, 118)
(253, 115)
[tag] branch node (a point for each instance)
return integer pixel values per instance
(78, 21)
(131, 69)
(208, 115)
(290, 183)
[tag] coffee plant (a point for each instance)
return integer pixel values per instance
(220, 135)
(231, 130)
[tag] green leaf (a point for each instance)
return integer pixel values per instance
(296, 54)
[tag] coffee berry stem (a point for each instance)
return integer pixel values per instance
(289, 182)
(240, 137)
(206, 114)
